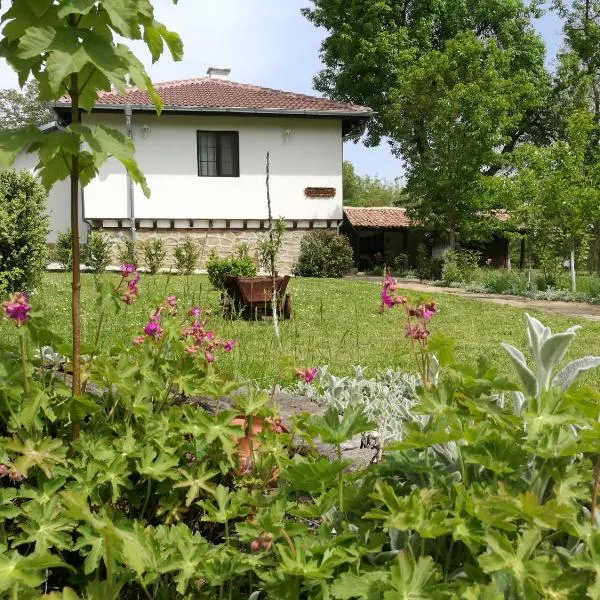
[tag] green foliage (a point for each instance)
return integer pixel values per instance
(370, 191)
(269, 246)
(456, 86)
(23, 108)
(154, 254)
(460, 265)
(98, 251)
(127, 252)
(63, 252)
(187, 254)
(487, 494)
(324, 253)
(23, 231)
(428, 268)
(239, 264)
(75, 47)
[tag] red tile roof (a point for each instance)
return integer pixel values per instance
(384, 217)
(205, 93)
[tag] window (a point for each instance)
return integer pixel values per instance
(218, 154)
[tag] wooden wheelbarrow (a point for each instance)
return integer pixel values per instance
(250, 297)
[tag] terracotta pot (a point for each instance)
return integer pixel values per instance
(249, 445)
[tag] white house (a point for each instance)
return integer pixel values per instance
(205, 157)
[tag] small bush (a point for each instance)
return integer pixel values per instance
(240, 264)
(127, 252)
(401, 264)
(187, 254)
(154, 255)
(23, 231)
(324, 253)
(460, 265)
(63, 253)
(427, 267)
(98, 252)
(502, 282)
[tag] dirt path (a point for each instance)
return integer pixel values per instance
(568, 309)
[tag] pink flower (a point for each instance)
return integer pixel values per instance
(210, 357)
(172, 300)
(139, 340)
(133, 283)
(229, 346)
(17, 308)
(195, 312)
(153, 329)
(386, 298)
(209, 335)
(308, 374)
(127, 269)
(417, 332)
(192, 349)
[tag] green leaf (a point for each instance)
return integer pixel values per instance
(567, 376)
(36, 41)
(29, 571)
(333, 429)
(312, 475)
(528, 379)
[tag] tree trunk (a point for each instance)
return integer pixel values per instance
(76, 259)
(572, 267)
(452, 238)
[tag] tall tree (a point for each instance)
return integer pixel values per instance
(559, 192)
(23, 108)
(457, 85)
(73, 47)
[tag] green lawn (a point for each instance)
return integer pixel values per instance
(336, 322)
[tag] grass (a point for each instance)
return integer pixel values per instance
(336, 322)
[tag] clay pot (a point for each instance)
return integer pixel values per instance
(248, 446)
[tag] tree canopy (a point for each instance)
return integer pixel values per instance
(457, 85)
(23, 108)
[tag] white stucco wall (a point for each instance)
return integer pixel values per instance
(310, 157)
(59, 201)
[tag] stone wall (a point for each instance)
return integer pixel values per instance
(224, 241)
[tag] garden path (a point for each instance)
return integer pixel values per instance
(570, 309)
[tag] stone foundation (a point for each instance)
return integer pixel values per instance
(223, 241)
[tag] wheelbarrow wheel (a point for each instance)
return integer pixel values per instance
(287, 307)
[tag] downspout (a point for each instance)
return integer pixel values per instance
(130, 191)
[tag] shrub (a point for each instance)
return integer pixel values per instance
(98, 251)
(324, 253)
(187, 254)
(460, 265)
(63, 253)
(154, 254)
(127, 252)
(503, 282)
(428, 268)
(23, 231)
(239, 264)
(401, 264)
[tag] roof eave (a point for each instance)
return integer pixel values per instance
(237, 110)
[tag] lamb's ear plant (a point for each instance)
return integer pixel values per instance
(548, 350)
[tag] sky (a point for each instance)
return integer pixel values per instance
(268, 43)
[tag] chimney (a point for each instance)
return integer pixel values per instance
(218, 73)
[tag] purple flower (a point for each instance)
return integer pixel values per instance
(195, 312)
(153, 329)
(308, 374)
(209, 335)
(132, 283)
(17, 308)
(229, 346)
(127, 269)
(210, 357)
(172, 300)
(386, 298)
